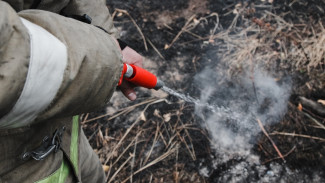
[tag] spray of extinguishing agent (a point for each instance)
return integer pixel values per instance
(140, 77)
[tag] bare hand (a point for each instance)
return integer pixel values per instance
(130, 56)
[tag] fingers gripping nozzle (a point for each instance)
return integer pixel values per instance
(140, 77)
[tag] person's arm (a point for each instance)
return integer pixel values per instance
(96, 10)
(52, 66)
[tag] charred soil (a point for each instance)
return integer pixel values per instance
(160, 138)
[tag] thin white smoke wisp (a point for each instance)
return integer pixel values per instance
(246, 99)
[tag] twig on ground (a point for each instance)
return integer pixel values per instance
(150, 178)
(193, 34)
(180, 32)
(131, 127)
(280, 19)
(314, 126)
(119, 169)
(168, 27)
(153, 144)
(234, 22)
(171, 150)
(163, 139)
(126, 110)
(267, 135)
(85, 118)
(133, 159)
(136, 25)
(264, 150)
(188, 127)
(192, 152)
(95, 132)
(215, 27)
(294, 147)
(121, 111)
(176, 173)
(99, 136)
(297, 135)
(315, 121)
(156, 50)
(125, 149)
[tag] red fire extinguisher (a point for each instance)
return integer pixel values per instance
(140, 77)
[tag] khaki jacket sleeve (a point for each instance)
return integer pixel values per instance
(14, 57)
(96, 9)
(90, 75)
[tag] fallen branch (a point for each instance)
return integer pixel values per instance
(315, 106)
(267, 135)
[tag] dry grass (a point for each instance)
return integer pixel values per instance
(312, 51)
(152, 139)
(264, 40)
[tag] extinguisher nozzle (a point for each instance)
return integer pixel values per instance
(159, 84)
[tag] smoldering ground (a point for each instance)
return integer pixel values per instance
(238, 102)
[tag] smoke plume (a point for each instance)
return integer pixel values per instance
(237, 104)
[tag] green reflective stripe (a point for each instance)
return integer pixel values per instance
(59, 175)
(74, 143)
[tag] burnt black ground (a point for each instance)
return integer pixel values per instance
(309, 154)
